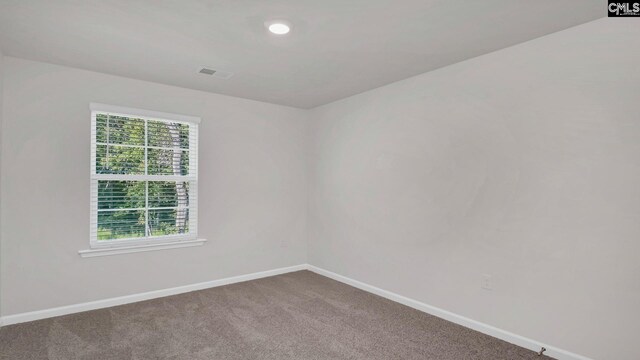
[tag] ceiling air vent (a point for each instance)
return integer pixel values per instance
(207, 71)
(215, 73)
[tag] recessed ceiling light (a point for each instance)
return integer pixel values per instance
(279, 28)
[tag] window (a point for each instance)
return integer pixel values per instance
(144, 177)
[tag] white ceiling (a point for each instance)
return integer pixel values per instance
(337, 48)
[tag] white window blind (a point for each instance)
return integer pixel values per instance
(144, 177)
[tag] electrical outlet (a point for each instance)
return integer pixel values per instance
(486, 283)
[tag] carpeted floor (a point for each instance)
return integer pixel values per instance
(298, 315)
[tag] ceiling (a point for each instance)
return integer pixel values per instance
(336, 48)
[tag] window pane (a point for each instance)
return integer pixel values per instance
(113, 129)
(113, 159)
(121, 194)
(121, 224)
(168, 162)
(168, 194)
(129, 145)
(168, 221)
(168, 134)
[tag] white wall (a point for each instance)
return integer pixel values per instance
(523, 164)
(252, 188)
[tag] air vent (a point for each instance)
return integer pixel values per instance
(221, 74)
(207, 71)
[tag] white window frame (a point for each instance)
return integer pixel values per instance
(102, 247)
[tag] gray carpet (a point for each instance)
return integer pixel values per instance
(298, 315)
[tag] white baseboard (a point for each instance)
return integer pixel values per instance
(507, 336)
(455, 318)
(100, 304)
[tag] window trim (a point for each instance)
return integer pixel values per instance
(140, 248)
(118, 246)
(126, 111)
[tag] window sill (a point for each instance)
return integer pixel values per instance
(139, 248)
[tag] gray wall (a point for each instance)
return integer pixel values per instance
(252, 188)
(523, 164)
(1, 117)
